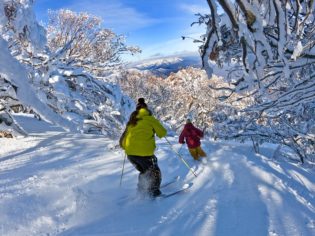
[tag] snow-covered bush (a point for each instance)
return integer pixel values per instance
(95, 105)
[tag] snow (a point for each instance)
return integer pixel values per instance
(59, 183)
(24, 17)
(297, 50)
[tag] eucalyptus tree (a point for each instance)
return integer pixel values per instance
(88, 43)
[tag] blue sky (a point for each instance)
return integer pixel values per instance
(156, 26)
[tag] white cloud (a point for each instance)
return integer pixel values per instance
(117, 16)
(194, 8)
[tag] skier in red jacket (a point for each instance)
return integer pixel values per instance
(192, 136)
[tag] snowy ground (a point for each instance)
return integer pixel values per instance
(55, 183)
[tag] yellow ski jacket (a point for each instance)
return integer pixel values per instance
(139, 140)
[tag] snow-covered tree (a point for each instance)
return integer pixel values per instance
(79, 76)
(269, 47)
(87, 43)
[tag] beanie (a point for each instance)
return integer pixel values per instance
(141, 104)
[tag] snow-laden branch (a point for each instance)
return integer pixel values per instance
(268, 50)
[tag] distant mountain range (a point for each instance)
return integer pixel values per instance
(163, 66)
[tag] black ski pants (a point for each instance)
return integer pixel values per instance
(149, 179)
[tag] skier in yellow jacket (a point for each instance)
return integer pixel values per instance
(138, 141)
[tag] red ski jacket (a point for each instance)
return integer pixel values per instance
(191, 135)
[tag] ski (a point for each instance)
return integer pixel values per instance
(174, 180)
(184, 188)
(164, 185)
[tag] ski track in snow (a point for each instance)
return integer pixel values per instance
(54, 183)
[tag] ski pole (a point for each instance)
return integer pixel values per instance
(204, 129)
(180, 148)
(180, 157)
(122, 171)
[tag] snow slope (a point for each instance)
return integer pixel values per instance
(57, 183)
